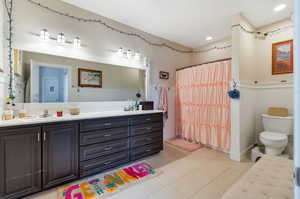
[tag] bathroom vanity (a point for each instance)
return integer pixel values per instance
(38, 155)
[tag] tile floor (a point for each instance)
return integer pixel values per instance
(204, 174)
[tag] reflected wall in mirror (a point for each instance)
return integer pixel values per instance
(54, 79)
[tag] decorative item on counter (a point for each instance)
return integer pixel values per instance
(140, 107)
(8, 115)
(75, 111)
(147, 105)
(136, 106)
(9, 101)
(22, 113)
(59, 113)
(234, 93)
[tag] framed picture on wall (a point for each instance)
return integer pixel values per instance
(163, 75)
(282, 57)
(89, 78)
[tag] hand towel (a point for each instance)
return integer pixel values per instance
(163, 101)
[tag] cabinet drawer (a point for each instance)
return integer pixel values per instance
(102, 149)
(103, 123)
(158, 117)
(146, 128)
(145, 151)
(105, 135)
(100, 164)
(142, 140)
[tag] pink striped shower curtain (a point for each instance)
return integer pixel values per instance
(203, 106)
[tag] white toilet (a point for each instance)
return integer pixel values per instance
(275, 136)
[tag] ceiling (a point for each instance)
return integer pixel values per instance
(187, 22)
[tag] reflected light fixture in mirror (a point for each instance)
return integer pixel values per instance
(44, 35)
(137, 55)
(209, 38)
(279, 7)
(129, 54)
(120, 52)
(77, 42)
(61, 39)
(146, 61)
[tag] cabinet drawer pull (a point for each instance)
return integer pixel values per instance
(149, 128)
(148, 119)
(45, 136)
(107, 148)
(39, 137)
(107, 124)
(106, 163)
(148, 139)
(107, 135)
(148, 150)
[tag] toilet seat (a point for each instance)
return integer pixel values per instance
(274, 137)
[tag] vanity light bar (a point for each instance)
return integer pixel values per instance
(128, 54)
(60, 38)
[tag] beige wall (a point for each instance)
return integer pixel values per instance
(199, 58)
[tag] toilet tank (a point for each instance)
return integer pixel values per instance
(278, 124)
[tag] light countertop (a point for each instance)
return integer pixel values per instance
(68, 117)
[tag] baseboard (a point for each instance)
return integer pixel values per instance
(242, 155)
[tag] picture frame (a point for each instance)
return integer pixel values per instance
(89, 78)
(164, 75)
(282, 57)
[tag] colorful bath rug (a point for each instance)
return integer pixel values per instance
(105, 185)
(184, 145)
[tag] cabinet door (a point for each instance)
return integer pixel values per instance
(60, 154)
(20, 162)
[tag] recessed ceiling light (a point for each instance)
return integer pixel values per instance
(209, 38)
(280, 7)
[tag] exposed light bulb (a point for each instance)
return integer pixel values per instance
(77, 42)
(146, 61)
(279, 7)
(44, 35)
(209, 38)
(120, 52)
(129, 54)
(137, 55)
(61, 39)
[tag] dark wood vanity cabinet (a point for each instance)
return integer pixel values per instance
(37, 157)
(20, 162)
(60, 154)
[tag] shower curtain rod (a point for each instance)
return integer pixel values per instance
(194, 65)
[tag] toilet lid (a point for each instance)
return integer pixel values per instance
(273, 136)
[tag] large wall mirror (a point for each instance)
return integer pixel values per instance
(46, 78)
